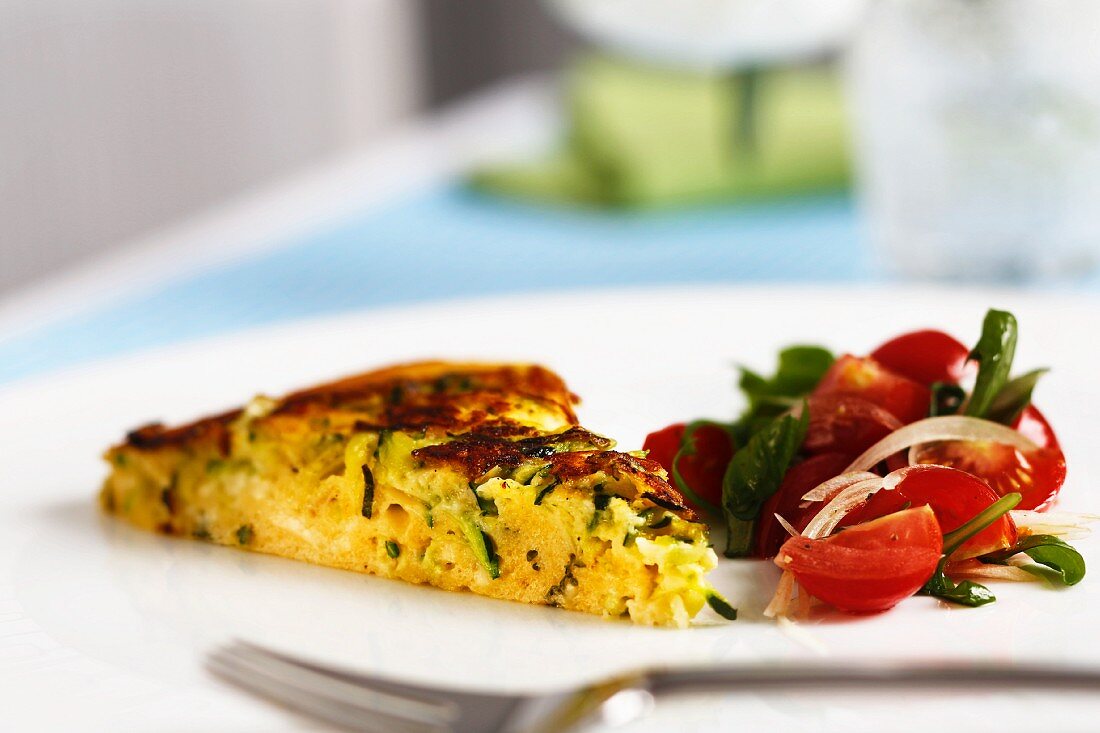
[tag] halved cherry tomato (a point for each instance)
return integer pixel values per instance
(787, 501)
(848, 425)
(955, 496)
(703, 463)
(1034, 426)
(1037, 474)
(925, 357)
(869, 567)
(865, 378)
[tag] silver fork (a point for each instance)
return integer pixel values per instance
(359, 702)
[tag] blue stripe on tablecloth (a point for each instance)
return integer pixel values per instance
(450, 243)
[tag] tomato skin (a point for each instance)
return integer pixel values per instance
(1033, 425)
(703, 464)
(1038, 475)
(704, 468)
(925, 357)
(955, 496)
(865, 378)
(848, 425)
(663, 444)
(870, 567)
(786, 502)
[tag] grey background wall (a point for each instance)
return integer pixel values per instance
(468, 44)
(121, 116)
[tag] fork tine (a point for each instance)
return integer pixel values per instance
(358, 691)
(329, 711)
(461, 710)
(318, 708)
(287, 687)
(408, 690)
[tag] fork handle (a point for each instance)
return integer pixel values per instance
(571, 710)
(864, 676)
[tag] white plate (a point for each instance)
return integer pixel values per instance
(103, 627)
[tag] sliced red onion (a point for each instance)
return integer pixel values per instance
(974, 569)
(1069, 525)
(892, 479)
(790, 528)
(784, 594)
(828, 518)
(829, 489)
(932, 429)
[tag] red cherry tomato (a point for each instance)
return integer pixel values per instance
(925, 357)
(848, 425)
(1034, 426)
(1037, 474)
(787, 501)
(702, 464)
(663, 444)
(852, 376)
(955, 496)
(869, 567)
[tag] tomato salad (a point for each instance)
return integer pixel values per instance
(918, 469)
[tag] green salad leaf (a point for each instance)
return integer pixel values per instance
(799, 370)
(768, 437)
(755, 474)
(954, 539)
(1047, 550)
(1014, 397)
(994, 352)
(996, 397)
(946, 399)
(967, 593)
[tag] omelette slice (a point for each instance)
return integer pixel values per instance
(467, 477)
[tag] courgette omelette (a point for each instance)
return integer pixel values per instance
(467, 477)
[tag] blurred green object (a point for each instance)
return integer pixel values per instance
(642, 136)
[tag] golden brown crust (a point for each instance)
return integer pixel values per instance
(475, 454)
(480, 410)
(154, 436)
(570, 455)
(619, 465)
(467, 405)
(441, 376)
(409, 396)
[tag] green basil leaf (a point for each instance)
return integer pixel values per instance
(758, 468)
(799, 370)
(1046, 550)
(739, 536)
(994, 353)
(755, 474)
(966, 593)
(1014, 397)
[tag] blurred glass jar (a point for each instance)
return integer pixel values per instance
(978, 136)
(713, 34)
